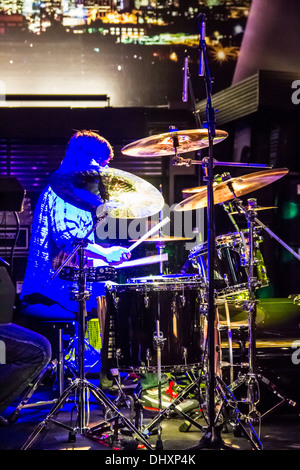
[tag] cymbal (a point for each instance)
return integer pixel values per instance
(222, 193)
(164, 238)
(258, 208)
(162, 144)
(121, 194)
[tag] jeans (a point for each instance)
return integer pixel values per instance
(24, 354)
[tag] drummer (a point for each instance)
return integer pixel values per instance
(56, 224)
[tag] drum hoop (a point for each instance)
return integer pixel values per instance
(231, 240)
(159, 286)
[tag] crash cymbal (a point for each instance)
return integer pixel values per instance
(259, 208)
(121, 194)
(222, 192)
(165, 238)
(162, 144)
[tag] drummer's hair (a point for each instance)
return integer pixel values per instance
(89, 145)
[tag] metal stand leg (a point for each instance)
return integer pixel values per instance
(59, 366)
(158, 342)
(80, 386)
(24, 402)
(252, 379)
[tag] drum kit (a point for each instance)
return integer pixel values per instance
(173, 317)
(166, 315)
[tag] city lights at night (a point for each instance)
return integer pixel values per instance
(157, 32)
(149, 232)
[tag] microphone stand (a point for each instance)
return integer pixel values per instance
(212, 437)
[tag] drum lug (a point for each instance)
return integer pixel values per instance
(226, 279)
(184, 355)
(147, 301)
(148, 357)
(116, 301)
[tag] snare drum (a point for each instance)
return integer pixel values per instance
(230, 263)
(140, 305)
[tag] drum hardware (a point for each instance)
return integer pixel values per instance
(146, 301)
(177, 142)
(212, 437)
(182, 300)
(252, 378)
(148, 358)
(93, 274)
(80, 386)
(296, 298)
(184, 355)
(158, 345)
(227, 408)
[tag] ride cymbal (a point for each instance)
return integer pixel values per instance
(163, 144)
(120, 194)
(227, 190)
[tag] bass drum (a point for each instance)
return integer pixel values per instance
(138, 307)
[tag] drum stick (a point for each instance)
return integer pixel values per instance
(143, 261)
(150, 233)
(134, 262)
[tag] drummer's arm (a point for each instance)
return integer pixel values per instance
(111, 255)
(67, 226)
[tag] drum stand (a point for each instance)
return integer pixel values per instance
(253, 378)
(227, 408)
(212, 438)
(158, 345)
(80, 386)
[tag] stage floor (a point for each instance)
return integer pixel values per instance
(280, 430)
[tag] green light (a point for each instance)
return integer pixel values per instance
(286, 257)
(265, 292)
(289, 210)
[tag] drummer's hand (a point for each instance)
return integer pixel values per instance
(117, 254)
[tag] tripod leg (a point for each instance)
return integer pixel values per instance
(175, 406)
(232, 414)
(284, 399)
(15, 415)
(99, 395)
(41, 426)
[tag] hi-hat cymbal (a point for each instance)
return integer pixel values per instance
(165, 238)
(119, 193)
(162, 144)
(227, 190)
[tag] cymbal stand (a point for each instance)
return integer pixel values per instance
(227, 408)
(253, 378)
(158, 345)
(80, 386)
(160, 244)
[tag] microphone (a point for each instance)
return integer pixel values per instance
(202, 31)
(185, 79)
